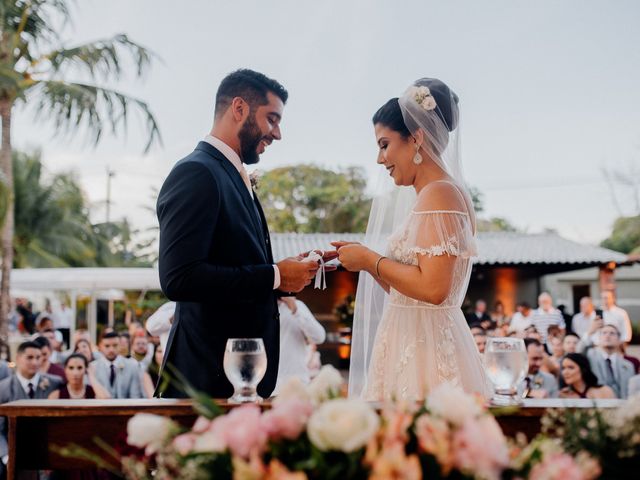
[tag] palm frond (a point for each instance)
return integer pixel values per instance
(35, 19)
(76, 105)
(102, 57)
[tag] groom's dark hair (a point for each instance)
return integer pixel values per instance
(251, 86)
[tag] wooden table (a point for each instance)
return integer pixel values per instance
(35, 426)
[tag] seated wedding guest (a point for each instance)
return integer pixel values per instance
(140, 350)
(4, 370)
(634, 360)
(480, 315)
(532, 332)
(570, 343)
(75, 369)
(582, 320)
(577, 380)
(55, 342)
(120, 376)
(521, 320)
(477, 328)
(481, 340)
(498, 316)
(298, 328)
(45, 364)
(608, 363)
(79, 334)
(151, 374)
(537, 384)
(546, 316)
(124, 347)
(24, 384)
(83, 347)
(552, 362)
(634, 385)
(44, 323)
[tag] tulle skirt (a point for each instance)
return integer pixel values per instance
(419, 347)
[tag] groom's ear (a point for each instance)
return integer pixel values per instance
(239, 109)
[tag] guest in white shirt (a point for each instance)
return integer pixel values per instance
(521, 320)
(582, 320)
(614, 315)
(298, 328)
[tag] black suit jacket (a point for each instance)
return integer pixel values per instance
(216, 263)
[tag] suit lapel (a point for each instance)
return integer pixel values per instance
(265, 230)
(239, 184)
(18, 391)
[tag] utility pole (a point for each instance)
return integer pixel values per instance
(110, 174)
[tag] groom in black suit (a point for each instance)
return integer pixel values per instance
(215, 252)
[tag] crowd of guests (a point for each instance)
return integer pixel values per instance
(579, 356)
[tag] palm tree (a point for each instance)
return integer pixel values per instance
(35, 69)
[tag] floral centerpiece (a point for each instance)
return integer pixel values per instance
(311, 432)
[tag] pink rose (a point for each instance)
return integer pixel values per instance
(557, 466)
(202, 425)
(242, 430)
(287, 419)
(392, 462)
(479, 446)
(396, 420)
(184, 443)
(434, 437)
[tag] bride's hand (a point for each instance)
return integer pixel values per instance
(355, 257)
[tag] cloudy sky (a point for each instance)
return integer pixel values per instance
(550, 93)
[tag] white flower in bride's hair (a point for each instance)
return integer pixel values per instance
(422, 96)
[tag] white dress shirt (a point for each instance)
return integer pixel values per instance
(231, 155)
(581, 323)
(619, 318)
(296, 331)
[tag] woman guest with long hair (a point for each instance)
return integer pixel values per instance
(578, 381)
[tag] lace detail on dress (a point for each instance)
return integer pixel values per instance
(450, 248)
(445, 348)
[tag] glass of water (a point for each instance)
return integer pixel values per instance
(506, 364)
(245, 363)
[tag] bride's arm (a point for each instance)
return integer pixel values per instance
(429, 281)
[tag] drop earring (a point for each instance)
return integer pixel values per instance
(417, 159)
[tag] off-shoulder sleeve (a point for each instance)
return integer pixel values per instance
(441, 232)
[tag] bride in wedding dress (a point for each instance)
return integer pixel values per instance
(409, 332)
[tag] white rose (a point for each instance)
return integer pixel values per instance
(294, 388)
(342, 424)
(328, 383)
(148, 431)
(452, 404)
(429, 103)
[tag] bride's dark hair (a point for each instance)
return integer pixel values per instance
(390, 114)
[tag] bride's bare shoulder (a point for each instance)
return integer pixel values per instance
(441, 195)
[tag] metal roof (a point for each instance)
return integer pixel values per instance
(495, 248)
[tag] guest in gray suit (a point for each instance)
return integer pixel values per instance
(608, 364)
(26, 383)
(4, 370)
(120, 377)
(634, 385)
(537, 384)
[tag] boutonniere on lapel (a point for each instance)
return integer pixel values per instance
(254, 178)
(537, 383)
(44, 384)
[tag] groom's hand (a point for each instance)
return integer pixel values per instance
(295, 274)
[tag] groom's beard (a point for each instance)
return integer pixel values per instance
(250, 137)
